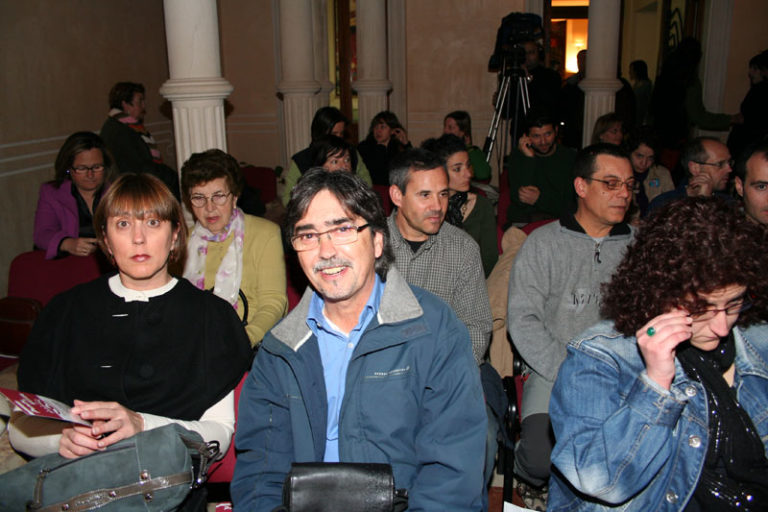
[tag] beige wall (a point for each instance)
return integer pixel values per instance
(58, 61)
(248, 63)
(748, 38)
(449, 44)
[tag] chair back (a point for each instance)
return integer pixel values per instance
(262, 179)
(32, 276)
(222, 470)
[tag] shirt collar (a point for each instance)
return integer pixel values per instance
(316, 319)
(119, 289)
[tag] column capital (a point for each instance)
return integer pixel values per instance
(600, 85)
(371, 87)
(213, 88)
(310, 87)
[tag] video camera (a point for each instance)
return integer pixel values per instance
(516, 28)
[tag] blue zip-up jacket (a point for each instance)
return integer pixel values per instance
(413, 399)
(625, 442)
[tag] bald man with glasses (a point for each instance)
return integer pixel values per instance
(708, 166)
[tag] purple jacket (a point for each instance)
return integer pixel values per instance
(56, 217)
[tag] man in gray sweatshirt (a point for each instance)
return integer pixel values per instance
(554, 294)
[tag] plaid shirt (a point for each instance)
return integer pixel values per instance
(448, 264)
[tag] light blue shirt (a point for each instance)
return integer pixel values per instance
(336, 350)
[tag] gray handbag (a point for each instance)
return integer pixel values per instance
(154, 470)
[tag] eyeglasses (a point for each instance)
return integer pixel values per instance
(199, 200)
(82, 169)
(340, 235)
(616, 184)
(735, 308)
(722, 163)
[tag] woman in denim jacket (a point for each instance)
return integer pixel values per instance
(665, 407)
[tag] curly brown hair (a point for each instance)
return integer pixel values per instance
(692, 246)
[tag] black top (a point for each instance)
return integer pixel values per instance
(175, 355)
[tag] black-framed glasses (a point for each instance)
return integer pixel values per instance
(735, 308)
(199, 200)
(83, 169)
(722, 163)
(616, 184)
(340, 235)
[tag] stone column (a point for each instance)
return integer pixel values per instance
(322, 57)
(601, 84)
(372, 84)
(195, 88)
(297, 85)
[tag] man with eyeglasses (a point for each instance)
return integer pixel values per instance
(366, 368)
(708, 165)
(554, 294)
(751, 182)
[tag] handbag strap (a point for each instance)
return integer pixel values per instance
(101, 497)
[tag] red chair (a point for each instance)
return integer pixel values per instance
(262, 179)
(222, 471)
(386, 201)
(32, 276)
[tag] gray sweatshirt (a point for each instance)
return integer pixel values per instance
(554, 289)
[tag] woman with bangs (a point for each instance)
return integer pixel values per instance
(663, 406)
(135, 350)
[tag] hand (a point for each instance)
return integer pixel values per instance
(528, 194)
(525, 147)
(78, 246)
(401, 135)
(701, 185)
(659, 350)
(110, 419)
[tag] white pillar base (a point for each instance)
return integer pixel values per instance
(299, 105)
(372, 99)
(198, 114)
(599, 98)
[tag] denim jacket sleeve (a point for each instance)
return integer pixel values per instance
(614, 425)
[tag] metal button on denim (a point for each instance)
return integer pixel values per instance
(694, 441)
(671, 497)
(690, 391)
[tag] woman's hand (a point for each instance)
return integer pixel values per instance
(78, 246)
(658, 350)
(111, 423)
(401, 135)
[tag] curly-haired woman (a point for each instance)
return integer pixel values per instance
(664, 407)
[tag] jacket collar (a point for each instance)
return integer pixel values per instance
(568, 221)
(397, 304)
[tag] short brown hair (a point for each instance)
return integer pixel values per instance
(207, 166)
(140, 195)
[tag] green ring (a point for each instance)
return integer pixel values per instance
(650, 331)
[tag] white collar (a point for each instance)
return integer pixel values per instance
(117, 287)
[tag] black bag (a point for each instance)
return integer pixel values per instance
(151, 471)
(346, 487)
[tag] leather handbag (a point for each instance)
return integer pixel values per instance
(154, 470)
(347, 487)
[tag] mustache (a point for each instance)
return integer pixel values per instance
(331, 263)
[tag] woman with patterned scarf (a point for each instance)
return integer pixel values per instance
(132, 146)
(237, 256)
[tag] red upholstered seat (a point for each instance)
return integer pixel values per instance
(222, 470)
(32, 276)
(262, 179)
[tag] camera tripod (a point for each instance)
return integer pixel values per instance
(503, 109)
